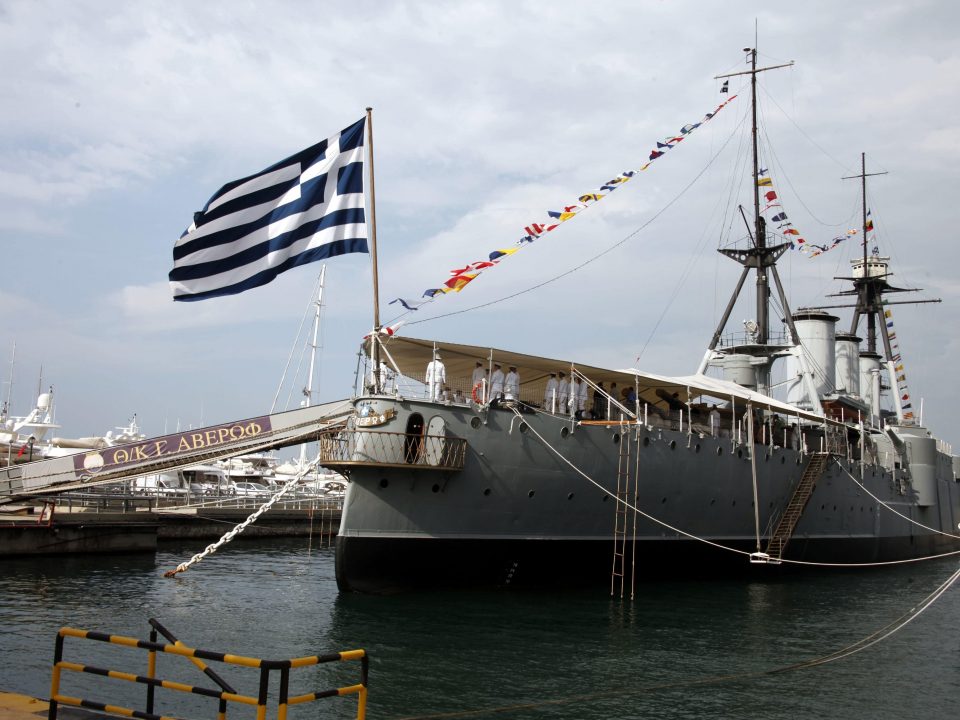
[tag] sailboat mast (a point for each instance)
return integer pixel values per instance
(313, 346)
(13, 362)
(308, 391)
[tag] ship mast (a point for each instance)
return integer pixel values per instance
(870, 283)
(760, 257)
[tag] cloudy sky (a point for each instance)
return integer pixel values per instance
(122, 119)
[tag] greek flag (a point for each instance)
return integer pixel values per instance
(302, 209)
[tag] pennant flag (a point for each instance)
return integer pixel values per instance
(459, 282)
(764, 182)
(387, 330)
(791, 231)
(726, 86)
(770, 196)
(503, 253)
(779, 217)
(462, 276)
(306, 208)
(411, 305)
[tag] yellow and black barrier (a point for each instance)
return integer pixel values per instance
(224, 692)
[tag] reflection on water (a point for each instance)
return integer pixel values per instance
(571, 655)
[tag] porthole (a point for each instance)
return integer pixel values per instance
(719, 451)
(713, 501)
(531, 493)
(569, 496)
(475, 422)
(646, 441)
(486, 491)
(523, 427)
(733, 504)
(384, 482)
(663, 501)
(435, 488)
(616, 438)
(605, 498)
(783, 459)
(739, 453)
(696, 448)
(564, 431)
(673, 444)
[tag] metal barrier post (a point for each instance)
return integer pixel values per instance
(284, 693)
(151, 671)
(262, 696)
(55, 677)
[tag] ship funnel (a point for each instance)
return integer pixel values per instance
(870, 381)
(816, 331)
(847, 358)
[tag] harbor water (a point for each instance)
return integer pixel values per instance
(680, 649)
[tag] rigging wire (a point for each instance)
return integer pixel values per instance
(691, 262)
(803, 132)
(590, 260)
(296, 342)
(774, 159)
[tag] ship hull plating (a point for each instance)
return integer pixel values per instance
(520, 513)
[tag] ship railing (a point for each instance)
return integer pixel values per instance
(345, 449)
(834, 441)
(223, 693)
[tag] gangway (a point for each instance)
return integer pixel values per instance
(178, 450)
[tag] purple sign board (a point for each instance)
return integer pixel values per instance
(168, 446)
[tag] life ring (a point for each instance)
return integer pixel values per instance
(474, 393)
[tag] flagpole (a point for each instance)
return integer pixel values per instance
(375, 336)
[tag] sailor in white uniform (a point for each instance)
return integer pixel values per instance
(496, 383)
(511, 385)
(582, 396)
(479, 378)
(550, 394)
(563, 392)
(436, 378)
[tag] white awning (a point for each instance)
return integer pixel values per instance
(411, 356)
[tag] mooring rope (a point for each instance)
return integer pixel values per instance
(691, 536)
(859, 646)
(891, 509)
(230, 535)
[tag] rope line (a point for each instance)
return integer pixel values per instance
(582, 265)
(230, 535)
(715, 544)
(852, 649)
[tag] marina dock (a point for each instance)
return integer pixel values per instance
(137, 525)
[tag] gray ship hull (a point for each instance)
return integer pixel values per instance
(519, 513)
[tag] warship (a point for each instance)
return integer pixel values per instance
(575, 474)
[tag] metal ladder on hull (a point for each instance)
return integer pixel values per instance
(625, 507)
(794, 510)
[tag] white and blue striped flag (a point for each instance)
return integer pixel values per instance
(302, 209)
